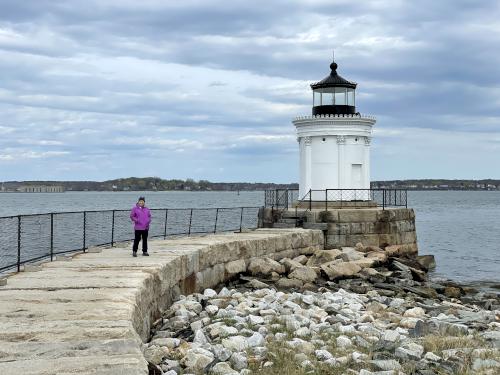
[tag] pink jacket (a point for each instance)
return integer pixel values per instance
(141, 216)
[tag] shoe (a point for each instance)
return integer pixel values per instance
(134, 253)
(145, 253)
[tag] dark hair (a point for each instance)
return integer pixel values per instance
(141, 199)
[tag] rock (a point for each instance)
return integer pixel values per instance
(386, 365)
(323, 256)
(427, 262)
(300, 357)
(481, 364)
(255, 320)
(235, 343)
(221, 353)
(492, 336)
(302, 259)
(452, 292)
(170, 343)
(391, 336)
(305, 274)
(430, 356)
(301, 345)
(209, 293)
(235, 267)
(256, 284)
(199, 338)
(224, 293)
(239, 361)
(365, 262)
(410, 351)
(265, 266)
(308, 299)
(211, 309)
(344, 341)
(155, 354)
(290, 264)
(223, 368)
(256, 340)
(197, 359)
(393, 250)
(323, 355)
(349, 254)
(359, 247)
(170, 372)
(380, 257)
(339, 271)
(286, 283)
(416, 312)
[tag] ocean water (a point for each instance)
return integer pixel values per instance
(461, 228)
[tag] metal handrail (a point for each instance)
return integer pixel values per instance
(80, 224)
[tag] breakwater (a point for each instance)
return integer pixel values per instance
(91, 312)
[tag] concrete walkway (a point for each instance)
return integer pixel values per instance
(89, 315)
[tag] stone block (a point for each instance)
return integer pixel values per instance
(3, 281)
(317, 238)
(309, 250)
(388, 239)
(64, 258)
(357, 215)
(408, 237)
(330, 216)
(319, 226)
(32, 267)
(335, 241)
(357, 228)
(384, 227)
(365, 239)
(235, 267)
(339, 228)
(94, 250)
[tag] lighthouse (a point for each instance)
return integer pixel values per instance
(334, 142)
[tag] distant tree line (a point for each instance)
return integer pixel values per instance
(148, 184)
(159, 184)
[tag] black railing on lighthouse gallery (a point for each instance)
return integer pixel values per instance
(288, 198)
(30, 238)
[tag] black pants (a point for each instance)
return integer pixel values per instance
(138, 235)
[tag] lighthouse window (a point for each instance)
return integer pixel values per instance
(350, 97)
(340, 96)
(316, 98)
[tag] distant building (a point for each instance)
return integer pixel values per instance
(41, 189)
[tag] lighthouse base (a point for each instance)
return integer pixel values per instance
(345, 227)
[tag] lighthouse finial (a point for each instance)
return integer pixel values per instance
(333, 65)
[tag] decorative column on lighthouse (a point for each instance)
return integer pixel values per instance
(334, 142)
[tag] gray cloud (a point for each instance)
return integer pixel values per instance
(86, 82)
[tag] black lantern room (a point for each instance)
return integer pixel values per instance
(334, 95)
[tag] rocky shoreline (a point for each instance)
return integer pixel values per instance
(362, 311)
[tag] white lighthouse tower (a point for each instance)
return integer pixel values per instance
(334, 142)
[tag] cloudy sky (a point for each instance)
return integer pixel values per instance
(205, 89)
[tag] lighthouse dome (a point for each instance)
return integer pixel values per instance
(334, 94)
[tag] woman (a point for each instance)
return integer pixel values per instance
(141, 216)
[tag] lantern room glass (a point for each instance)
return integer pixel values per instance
(334, 96)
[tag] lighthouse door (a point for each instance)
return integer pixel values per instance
(356, 174)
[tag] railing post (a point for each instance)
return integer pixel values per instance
(113, 229)
(84, 230)
(340, 198)
(18, 243)
(383, 199)
(310, 199)
(326, 199)
(216, 218)
(190, 220)
(241, 218)
(165, 228)
(51, 236)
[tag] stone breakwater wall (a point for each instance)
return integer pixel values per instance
(345, 227)
(91, 312)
